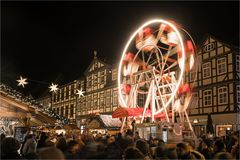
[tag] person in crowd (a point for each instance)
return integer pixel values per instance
(29, 148)
(183, 151)
(132, 153)
(72, 150)
(219, 146)
(191, 145)
(9, 149)
(50, 153)
(42, 141)
(61, 144)
(143, 146)
(206, 148)
(113, 150)
(171, 153)
(161, 152)
(223, 156)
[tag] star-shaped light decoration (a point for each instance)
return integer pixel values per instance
(80, 93)
(22, 81)
(53, 88)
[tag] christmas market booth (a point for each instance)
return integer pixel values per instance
(103, 124)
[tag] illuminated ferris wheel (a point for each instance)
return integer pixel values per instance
(152, 69)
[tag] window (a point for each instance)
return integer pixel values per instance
(66, 111)
(207, 97)
(62, 94)
(72, 90)
(238, 93)
(194, 102)
(89, 101)
(95, 100)
(102, 77)
(192, 76)
(62, 110)
(209, 47)
(71, 110)
(89, 81)
(67, 92)
(222, 95)
(221, 66)
(114, 74)
(95, 81)
(101, 99)
(206, 69)
(58, 96)
(115, 97)
(238, 63)
(58, 111)
(108, 98)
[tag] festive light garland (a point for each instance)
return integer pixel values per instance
(30, 101)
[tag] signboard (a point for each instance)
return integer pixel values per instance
(19, 133)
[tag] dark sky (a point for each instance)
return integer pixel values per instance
(54, 41)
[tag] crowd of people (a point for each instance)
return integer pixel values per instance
(120, 146)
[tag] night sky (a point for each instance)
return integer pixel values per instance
(54, 41)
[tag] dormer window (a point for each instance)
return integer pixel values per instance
(209, 47)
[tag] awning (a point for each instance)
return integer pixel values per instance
(134, 112)
(129, 112)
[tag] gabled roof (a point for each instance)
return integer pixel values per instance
(208, 38)
(95, 60)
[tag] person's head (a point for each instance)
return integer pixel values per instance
(143, 146)
(190, 143)
(9, 145)
(133, 153)
(223, 156)
(182, 149)
(219, 146)
(61, 144)
(111, 139)
(51, 153)
(160, 151)
(171, 153)
(73, 146)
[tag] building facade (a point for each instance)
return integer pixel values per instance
(100, 93)
(216, 89)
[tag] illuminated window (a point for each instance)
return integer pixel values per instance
(115, 97)
(95, 100)
(114, 74)
(238, 93)
(89, 82)
(206, 70)
(209, 47)
(102, 77)
(108, 98)
(207, 97)
(238, 63)
(223, 95)
(102, 99)
(221, 66)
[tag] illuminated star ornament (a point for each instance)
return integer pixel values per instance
(80, 93)
(22, 81)
(53, 88)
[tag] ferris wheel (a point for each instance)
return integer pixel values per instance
(152, 69)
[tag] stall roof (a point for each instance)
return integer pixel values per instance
(103, 122)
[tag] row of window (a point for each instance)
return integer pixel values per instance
(100, 99)
(222, 96)
(64, 93)
(65, 111)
